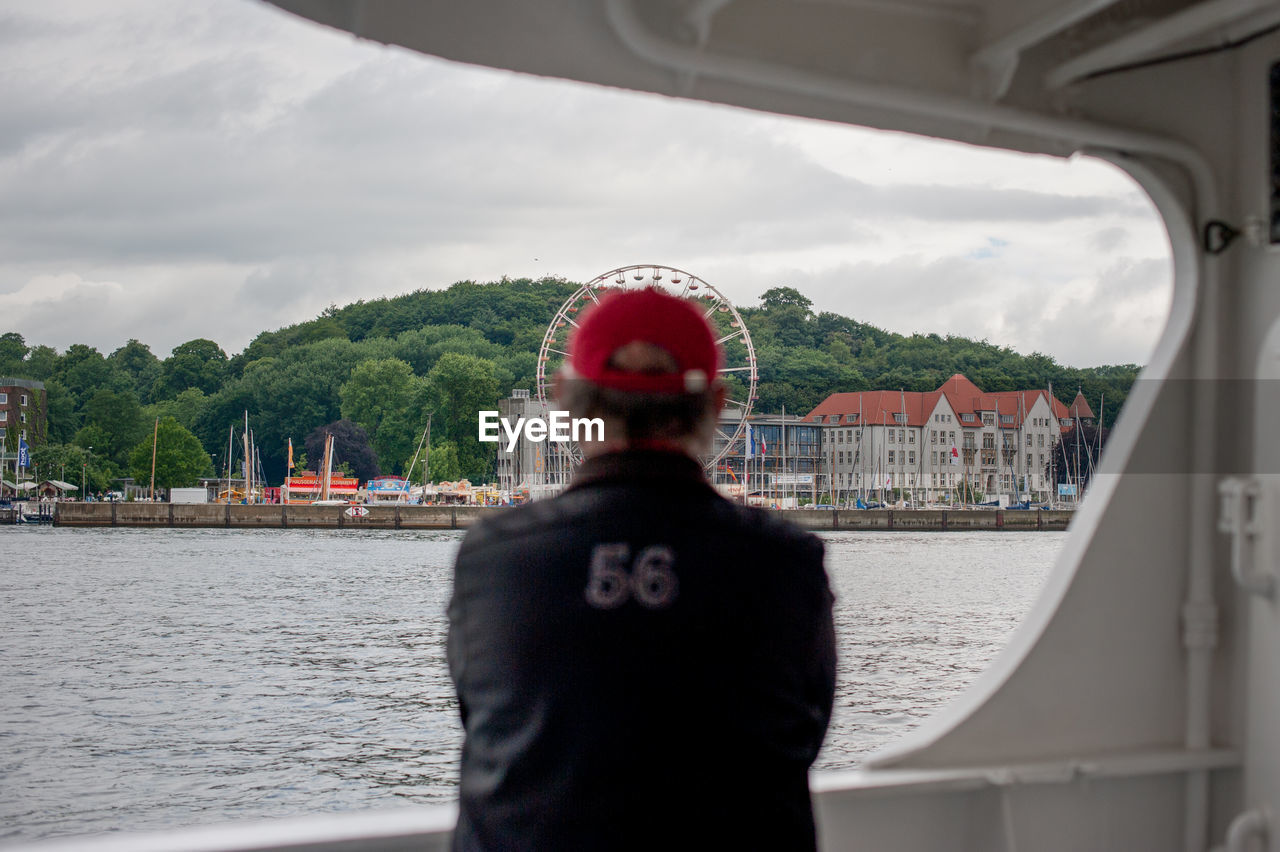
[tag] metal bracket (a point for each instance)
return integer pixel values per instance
(1244, 501)
(1218, 236)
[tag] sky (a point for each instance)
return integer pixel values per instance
(219, 168)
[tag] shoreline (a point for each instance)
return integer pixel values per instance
(304, 516)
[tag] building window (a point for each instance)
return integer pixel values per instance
(933, 436)
(899, 417)
(22, 415)
(1028, 440)
(1040, 440)
(4, 416)
(911, 457)
(892, 435)
(911, 439)
(24, 399)
(1028, 461)
(4, 398)
(891, 457)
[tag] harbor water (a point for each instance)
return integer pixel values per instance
(156, 678)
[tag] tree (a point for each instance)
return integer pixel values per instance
(444, 463)
(776, 297)
(180, 459)
(350, 445)
(75, 465)
(198, 363)
(13, 351)
(83, 371)
(1074, 458)
(136, 361)
(386, 399)
(187, 408)
(117, 424)
(459, 388)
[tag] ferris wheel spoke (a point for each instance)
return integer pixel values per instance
(558, 351)
(732, 401)
(733, 369)
(730, 336)
(714, 306)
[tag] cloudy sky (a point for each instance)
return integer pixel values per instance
(217, 168)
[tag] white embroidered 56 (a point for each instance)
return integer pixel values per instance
(651, 579)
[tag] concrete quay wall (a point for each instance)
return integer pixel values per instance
(234, 516)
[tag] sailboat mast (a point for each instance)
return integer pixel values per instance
(155, 435)
(248, 459)
(231, 442)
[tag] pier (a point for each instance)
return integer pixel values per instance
(405, 517)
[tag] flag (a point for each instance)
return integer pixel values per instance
(290, 454)
(955, 455)
(731, 473)
(764, 448)
(749, 445)
(24, 454)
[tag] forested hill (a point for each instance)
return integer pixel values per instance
(384, 364)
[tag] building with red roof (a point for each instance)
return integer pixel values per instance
(888, 444)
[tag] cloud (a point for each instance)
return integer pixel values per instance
(231, 169)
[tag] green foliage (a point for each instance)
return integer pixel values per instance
(136, 361)
(443, 463)
(83, 371)
(460, 386)
(198, 363)
(41, 363)
(387, 400)
(385, 362)
(75, 465)
(180, 459)
(350, 447)
(13, 351)
(114, 419)
(187, 408)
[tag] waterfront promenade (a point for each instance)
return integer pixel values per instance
(300, 516)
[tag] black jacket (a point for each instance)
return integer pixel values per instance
(639, 664)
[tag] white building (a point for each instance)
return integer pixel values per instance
(922, 447)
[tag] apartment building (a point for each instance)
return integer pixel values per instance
(22, 410)
(923, 446)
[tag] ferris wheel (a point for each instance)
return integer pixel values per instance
(738, 371)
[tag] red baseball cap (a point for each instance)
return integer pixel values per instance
(650, 316)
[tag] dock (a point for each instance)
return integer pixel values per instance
(406, 517)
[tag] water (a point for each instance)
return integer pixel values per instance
(159, 678)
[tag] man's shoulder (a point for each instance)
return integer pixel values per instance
(770, 526)
(509, 525)
(550, 517)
